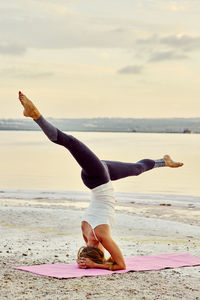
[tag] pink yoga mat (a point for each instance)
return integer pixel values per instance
(136, 263)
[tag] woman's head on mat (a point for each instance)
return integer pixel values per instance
(94, 254)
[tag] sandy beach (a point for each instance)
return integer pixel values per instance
(37, 231)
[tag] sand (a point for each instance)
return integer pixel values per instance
(48, 231)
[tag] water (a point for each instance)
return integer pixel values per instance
(31, 164)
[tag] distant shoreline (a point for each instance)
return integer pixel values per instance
(132, 125)
(104, 131)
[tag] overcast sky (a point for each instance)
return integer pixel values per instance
(108, 58)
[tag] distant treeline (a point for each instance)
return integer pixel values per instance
(169, 125)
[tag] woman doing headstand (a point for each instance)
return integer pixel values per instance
(97, 176)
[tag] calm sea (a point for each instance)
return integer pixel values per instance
(30, 162)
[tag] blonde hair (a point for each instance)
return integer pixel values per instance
(95, 254)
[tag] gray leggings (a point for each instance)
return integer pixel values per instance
(94, 172)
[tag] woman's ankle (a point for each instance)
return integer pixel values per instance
(36, 115)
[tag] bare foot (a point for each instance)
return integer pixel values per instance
(30, 110)
(170, 163)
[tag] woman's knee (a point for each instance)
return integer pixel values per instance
(139, 169)
(145, 165)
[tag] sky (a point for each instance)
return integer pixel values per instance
(89, 58)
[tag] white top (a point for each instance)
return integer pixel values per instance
(101, 209)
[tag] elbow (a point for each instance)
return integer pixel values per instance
(122, 266)
(117, 267)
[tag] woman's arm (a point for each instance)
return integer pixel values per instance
(84, 263)
(104, 236)
(115, 252)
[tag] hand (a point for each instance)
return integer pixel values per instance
(85, 263)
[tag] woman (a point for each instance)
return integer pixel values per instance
(97, 176)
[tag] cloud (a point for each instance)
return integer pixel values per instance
(57, 31)
(134, 69)
(23, 73)
(12, 48)
(179, 41)
(55, 25)
(36, 75)
(51, 6)
(166, 55)
(171, 47)
(173, 6)
(51, 24)
(182, 42)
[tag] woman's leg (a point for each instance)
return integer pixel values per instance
(94, 172)
(118, 170)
